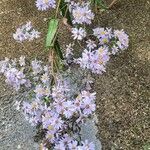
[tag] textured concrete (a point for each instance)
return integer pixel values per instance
(15, 132)
(89, 132)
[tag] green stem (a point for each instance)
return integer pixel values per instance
(57, 9)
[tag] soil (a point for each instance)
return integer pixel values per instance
(122, 92)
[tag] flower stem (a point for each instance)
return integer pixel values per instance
(112, 3)
(57, 9)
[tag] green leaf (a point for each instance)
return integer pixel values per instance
(58, 49)
(65, 12)
(52, 30)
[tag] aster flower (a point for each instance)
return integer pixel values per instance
(26, 107)
(26, 32)
(88, 106)
(91, 44)
(114, 49)
(78, 34)
(86, 145)
(45, 4)
(47, 92)
(39, 90)
(84, 61)
(46, 119)
(33, 120)
(88, 95)
(66, 139)
(45, 78)
(60, 146)
(36, 67)
(36, 105)
(78, 104)
(94, 60)
(59, 105)
(123, 38)
(82, 14)
(33, 111)
(57, 93)
(104, 35)
(15, 78)
(69, 109)
(50, 136)
(69, 50)
(99, 32)
(57, 122)
(73, 145)
(34, 35)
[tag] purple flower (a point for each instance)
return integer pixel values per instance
(45, 78)
(26, 32)
(114, 49)
(73, 145)
(123, 38)
(88, 106)
(86, 145)
(36, 67)
(78, 34)
(50, 136)
(60, 146)
(91, 44)
(94, 60)
(15, 78)
(69, 50)
(26, 107)
(69, 109)
(104, 35)
(66, 139)
(82, 14)
(39, 90)
(45, 4)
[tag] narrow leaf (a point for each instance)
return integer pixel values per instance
(65, 12)
(58, 49)
(52, 29)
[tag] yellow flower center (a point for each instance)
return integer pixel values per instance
(103, 32)
(46, 91)
(50, 127)
(34, 105)
(44, 77)
(50, 136)
(105, 40)
(78, 97)
(77, 15)
(40, 90)
(100, 50)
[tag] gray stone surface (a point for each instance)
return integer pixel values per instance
(15, 132)
(89, 132)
